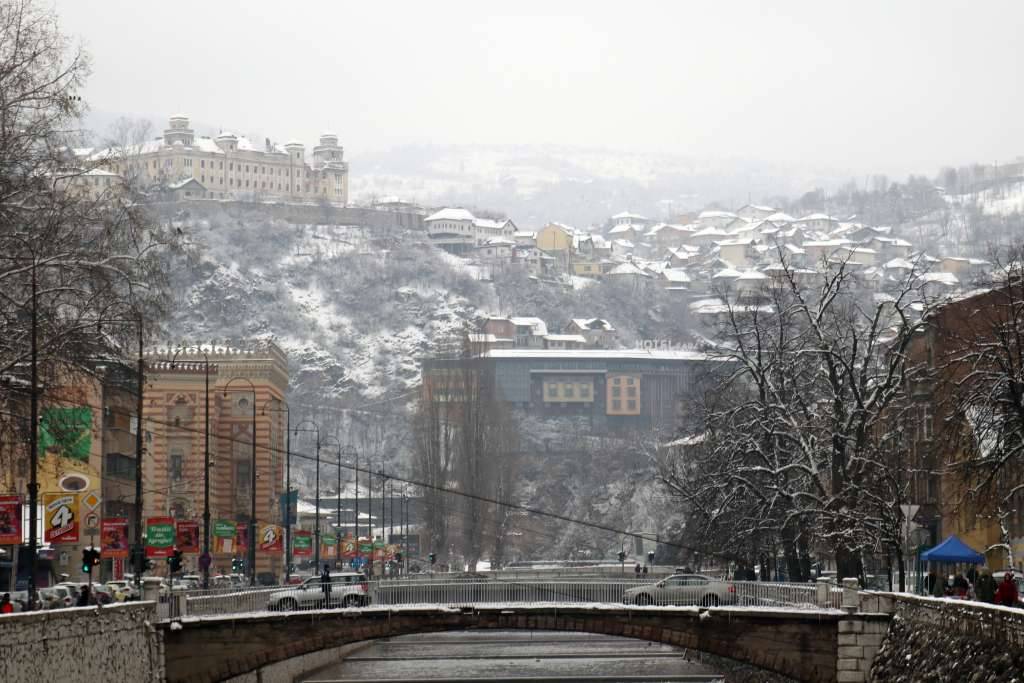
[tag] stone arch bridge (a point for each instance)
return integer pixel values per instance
(804, 645)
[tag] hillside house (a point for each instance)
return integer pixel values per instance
(598, 332)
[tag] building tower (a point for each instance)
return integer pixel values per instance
(179, 131)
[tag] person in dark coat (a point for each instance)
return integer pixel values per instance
(645, 570)
(85, 597)
(636, 569)
(1006, 594)
(325, 584)
(985, 586)
(929, 582)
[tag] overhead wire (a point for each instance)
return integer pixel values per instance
(403, 479)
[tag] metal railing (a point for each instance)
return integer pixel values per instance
(484, 592)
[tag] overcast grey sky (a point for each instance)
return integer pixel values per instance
(867, 85)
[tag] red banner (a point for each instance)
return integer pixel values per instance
(10, 520)
(186, 536)
(242, 539)
(114, 537)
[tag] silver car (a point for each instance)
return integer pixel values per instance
(683, 589)
(347, 590)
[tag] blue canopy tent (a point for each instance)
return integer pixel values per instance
(953, 550)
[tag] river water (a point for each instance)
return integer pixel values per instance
(525, 656)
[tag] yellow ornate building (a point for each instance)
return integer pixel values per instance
(230, 166)
(174, 412)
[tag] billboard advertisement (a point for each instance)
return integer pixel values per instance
(61, 517)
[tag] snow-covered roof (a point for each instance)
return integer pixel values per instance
(498, 242)
(898, 263)
(566, 338)
(780, 217)
(627, 269)
(816, 217)
(726, 273)
(716, 214)
(675, 275)
(947, 279)
(593, 324)
(537, 326)
(710, 232)
(451, 215)
(753, 275)
(524, 234)
(625, 227)
(743, 242)
(627, 214)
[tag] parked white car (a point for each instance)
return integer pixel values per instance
(347, 590)
(683, 589)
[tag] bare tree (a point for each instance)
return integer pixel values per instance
(979, 359)
(793, 456)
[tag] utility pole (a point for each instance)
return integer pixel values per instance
(140, 379)
(33, 445)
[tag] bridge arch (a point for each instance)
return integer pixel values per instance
(802, 646)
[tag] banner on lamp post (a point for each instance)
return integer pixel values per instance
(160, 537)
(224, 531)
(10, 520)
(302, 544)
(186, 536)
(114, 537)
(62, 517)
(271, 539)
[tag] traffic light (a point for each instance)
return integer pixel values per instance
(432, 557)
(237, 564)
(174, 561)
(90, 559)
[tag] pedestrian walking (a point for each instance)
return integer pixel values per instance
(1006, 594)
(85, 597)
(5, 604)
(960, 586)
(325, 584)
(636, 569)
(985, 587)
(645, 570)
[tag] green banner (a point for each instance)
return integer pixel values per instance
(327, 539)
(302, 542)
(66, 432)
(378, 543)
(160, 532)
(365, 547)
(224, 528)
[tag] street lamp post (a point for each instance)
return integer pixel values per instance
(337, 518)
(287, 486)
(383, 516)
(316, 527)
(252, 475)
(204, 561)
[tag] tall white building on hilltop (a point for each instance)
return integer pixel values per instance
(230, 166)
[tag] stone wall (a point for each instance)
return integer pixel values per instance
(301, 213)
(115, 643)
(934, 639)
